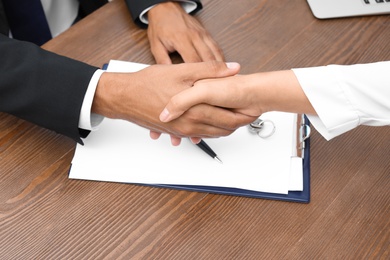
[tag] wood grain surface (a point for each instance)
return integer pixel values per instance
(45, 215)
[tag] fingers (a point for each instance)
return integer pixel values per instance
(154, 135)
(175, 140)
(207, 49)
(201, 52)
(181, 102)
(160, 53)
(204, 121)
(172, 29)
(188, 52)
(215, 50)
(191, 52)
(195, 140)
(211, 69)
(198, 48)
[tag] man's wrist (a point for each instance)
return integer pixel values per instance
(188, 6)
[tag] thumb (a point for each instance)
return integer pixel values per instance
(212, 69)
(181, 102)
(165, 116)
(184, 100)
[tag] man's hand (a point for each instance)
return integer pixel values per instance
(140, 97)
(172, 29)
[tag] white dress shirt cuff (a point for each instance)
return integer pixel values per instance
(336, 113)
(188, 6)
(345, 96)
(89, 120)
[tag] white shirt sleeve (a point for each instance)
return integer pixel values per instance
(346, 96)
(60, 15)
(88, 120)
(188, 6)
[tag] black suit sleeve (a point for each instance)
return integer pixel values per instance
(88, 6)
(136, 7)
(42, 87)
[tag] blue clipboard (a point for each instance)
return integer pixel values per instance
(292, 196)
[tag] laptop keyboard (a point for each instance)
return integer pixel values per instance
(375, 1)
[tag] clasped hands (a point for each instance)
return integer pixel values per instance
(141, 97)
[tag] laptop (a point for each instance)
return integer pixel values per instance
(324, 9)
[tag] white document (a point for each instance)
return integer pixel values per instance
(121, 151)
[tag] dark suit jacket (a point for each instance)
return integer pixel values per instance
(43, 87)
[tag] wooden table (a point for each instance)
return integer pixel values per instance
(45, 215)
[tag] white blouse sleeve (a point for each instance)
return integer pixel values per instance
(346, 96)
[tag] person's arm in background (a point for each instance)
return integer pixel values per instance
(172, 28)
(336, 98)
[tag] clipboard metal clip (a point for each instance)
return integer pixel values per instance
(263, 128)
(303, 132)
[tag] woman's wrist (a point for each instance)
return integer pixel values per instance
(281, 91)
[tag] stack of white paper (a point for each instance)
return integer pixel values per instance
(121, 151)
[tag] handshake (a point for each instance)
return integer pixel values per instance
(169, 99)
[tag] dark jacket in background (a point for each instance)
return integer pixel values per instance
(45, 88)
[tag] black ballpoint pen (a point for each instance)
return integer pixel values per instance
(202, 145)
